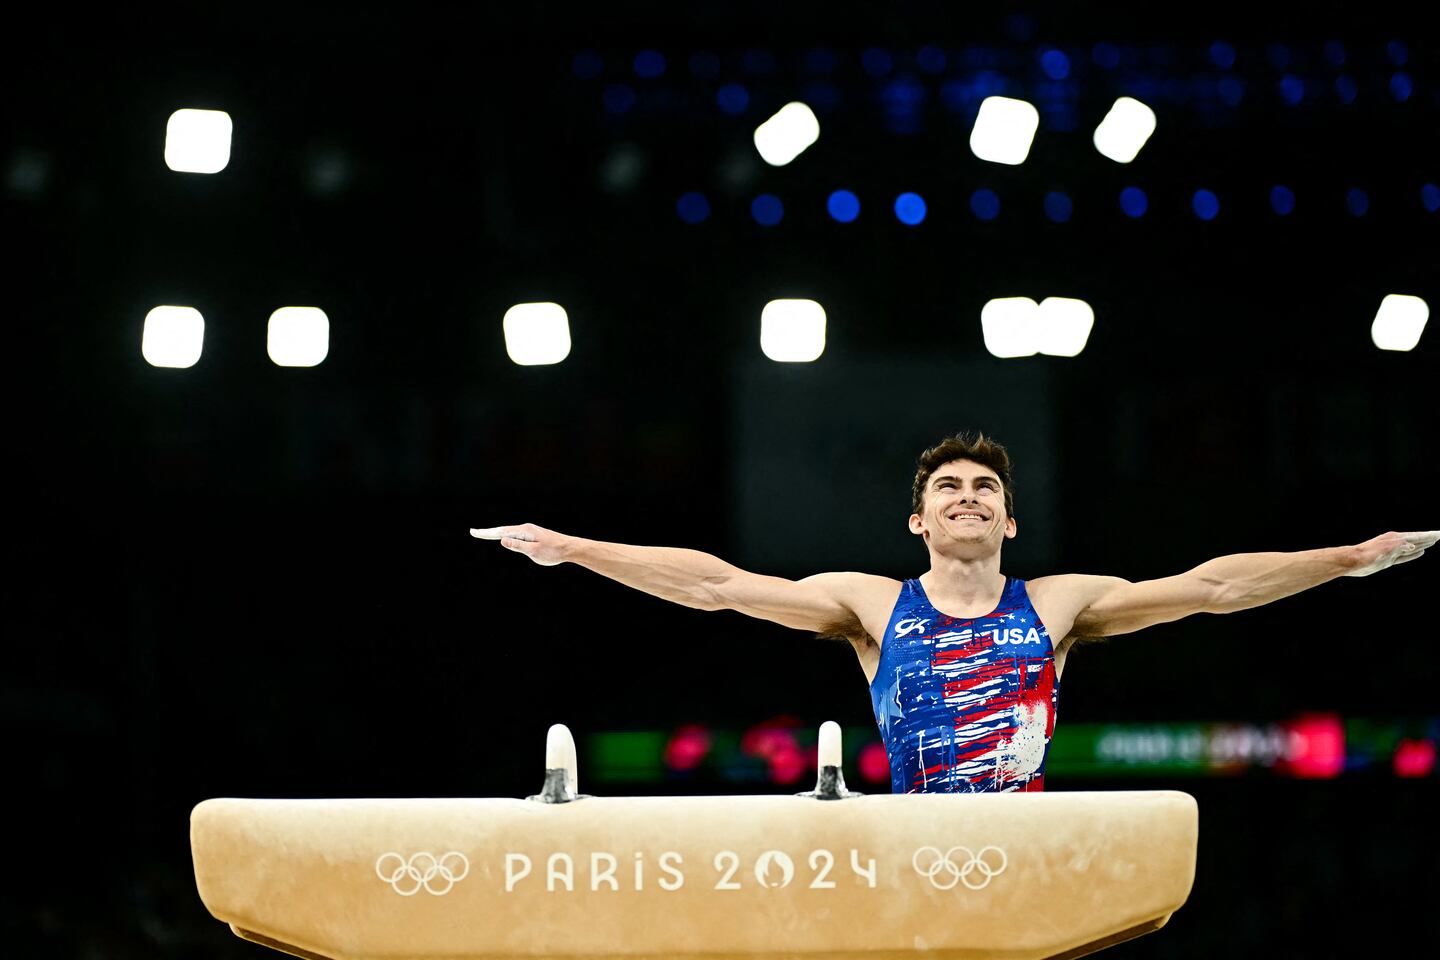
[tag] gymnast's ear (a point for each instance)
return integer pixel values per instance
(1010, 528)
(916, 525)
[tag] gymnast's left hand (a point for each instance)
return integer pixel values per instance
(1391, 548)
(545, 547)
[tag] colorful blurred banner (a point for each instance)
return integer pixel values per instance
(781, 751)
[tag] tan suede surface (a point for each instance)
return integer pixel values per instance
(1008, 875)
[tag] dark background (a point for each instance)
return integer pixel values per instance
(243, 580)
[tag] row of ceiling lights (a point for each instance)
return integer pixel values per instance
(791, 331)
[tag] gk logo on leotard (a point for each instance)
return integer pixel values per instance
(975, 869)
(422, 871)
(910, 625)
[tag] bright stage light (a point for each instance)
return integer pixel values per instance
(785, 136)
(792, 331)
(1399, 322)
(1019, 327)
(1004, 130)
(537, 334)
(1124, 130)
(173, 337)
(1064, 326)
(198, 141)
(1010, 326)
(298, 337)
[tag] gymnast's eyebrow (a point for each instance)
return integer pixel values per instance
(956, 480)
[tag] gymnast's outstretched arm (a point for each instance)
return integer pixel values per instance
(821, 603)
(1105, 606)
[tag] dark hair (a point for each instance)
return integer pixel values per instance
(963, 446)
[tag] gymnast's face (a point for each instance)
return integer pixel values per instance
(964, 511)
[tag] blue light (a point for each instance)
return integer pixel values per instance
(767, 209)
(619, 98)
(1058, 206)
(844, 206)
(910, 209)
(1357, 201)
(693, 207)
(1134, 202)
(1282, 200)
(877, 62)
(985, 203)
(1205, 204)
(1222, 55)
(1105, 55)
(930, 59)
(1398, 52)
(1055, 64)
(1346, 88)
(704, 64)
(1292, 89)
(1401, 87)
(649, 64)
(732, 98)
(1231, 89)
(1335, 53)
(1430, 197)
(587, 65)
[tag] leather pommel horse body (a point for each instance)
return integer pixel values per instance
(981, 876)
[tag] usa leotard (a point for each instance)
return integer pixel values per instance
(966, 705)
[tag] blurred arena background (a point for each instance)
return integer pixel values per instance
(232, 577)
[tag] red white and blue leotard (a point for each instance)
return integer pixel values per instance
(965, 705)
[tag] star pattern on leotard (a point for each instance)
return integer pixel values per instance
(890, 709)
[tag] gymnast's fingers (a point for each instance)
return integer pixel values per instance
(500, 533)
(1422, 539)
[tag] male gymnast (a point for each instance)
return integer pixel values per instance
(964, 672)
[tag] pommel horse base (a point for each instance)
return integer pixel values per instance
(958, 877)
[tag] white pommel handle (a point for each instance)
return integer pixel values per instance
(829, 778)
(560, 755)
(830, 752)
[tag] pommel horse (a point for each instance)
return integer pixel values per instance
(824, 874)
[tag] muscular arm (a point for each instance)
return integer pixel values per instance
(1108, 605)
(692, 578)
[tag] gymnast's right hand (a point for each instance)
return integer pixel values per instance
(545, 547)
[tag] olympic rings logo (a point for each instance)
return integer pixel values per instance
(422, 871)
(975, 872)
